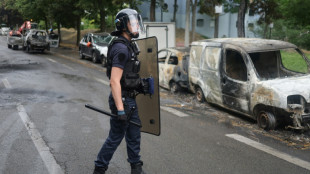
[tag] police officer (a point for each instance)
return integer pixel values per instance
(122, 63)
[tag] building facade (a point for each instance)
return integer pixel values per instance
(204, 23)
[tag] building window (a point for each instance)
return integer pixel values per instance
(199, 22)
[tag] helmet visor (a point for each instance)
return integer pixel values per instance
(135, 24)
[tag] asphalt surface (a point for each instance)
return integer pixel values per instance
(45, 128)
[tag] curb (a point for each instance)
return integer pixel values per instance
(89, 65)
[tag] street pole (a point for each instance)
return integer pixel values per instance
(186, 39)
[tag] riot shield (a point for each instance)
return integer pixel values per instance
(149, 107)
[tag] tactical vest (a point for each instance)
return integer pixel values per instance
(130, 79)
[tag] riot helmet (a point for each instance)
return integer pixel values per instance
(130, 21)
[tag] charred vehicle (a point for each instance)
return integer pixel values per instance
(15, 38)
(95, 46)
(173, 66)
(36, 40)
(254, 77)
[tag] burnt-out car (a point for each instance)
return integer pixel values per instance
(267, 80)
(36, 40)
(173, 66)
(95, 46)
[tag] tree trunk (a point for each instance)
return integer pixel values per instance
(241, 16)
(216, 26)
(59, 32)
(187, 18)
(194, 20)
(152, 10)
(78, 28)
(102, 19)
(46, 27)
(175, 10)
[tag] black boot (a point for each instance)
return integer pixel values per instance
(136, 168)
(100, 170)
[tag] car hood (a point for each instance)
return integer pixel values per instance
(102, 49)
(289, 86)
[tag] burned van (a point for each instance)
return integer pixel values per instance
(173, 68)
(267, 80)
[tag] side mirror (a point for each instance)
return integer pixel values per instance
(88, 44)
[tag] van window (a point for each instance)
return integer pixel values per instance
(195, 55)
(211, 57)
(234, 65)
(292, 60)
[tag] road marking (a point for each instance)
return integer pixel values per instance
(271, 151)
(43, 149)
(52, 60)
(6, 83)
(68, 67)
(102, 81)
(174, 111)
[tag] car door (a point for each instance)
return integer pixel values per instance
(169, 68)
(235, 79)
(88, 49)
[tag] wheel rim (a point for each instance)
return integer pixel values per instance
(94, 58)
(263, 120)
(173, 87)
(199, 95)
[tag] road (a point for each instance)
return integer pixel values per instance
(45, 128)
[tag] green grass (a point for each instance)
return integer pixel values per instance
(293, 61)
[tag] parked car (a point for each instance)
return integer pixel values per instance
(95, 46)
(36, 40)
(173, 66)
(4, 31)
(254, 77)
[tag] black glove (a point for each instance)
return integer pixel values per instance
(121, 116)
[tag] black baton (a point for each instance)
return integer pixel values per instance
(108, 113)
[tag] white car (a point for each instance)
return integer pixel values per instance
(4, 31)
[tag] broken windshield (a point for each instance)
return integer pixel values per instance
(279, 64)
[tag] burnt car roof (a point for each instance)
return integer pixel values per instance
(180, 49)
(252, 44)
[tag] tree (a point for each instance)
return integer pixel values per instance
(186, 39)
(296, 11)
(268, 11)
(208, 7)
(241, 16)
(152, 10)
(194, 6)
(175, 9)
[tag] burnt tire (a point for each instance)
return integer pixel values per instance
(174, 87)
(199, 95)
(9, 46)
(28, 49)
(266, 120)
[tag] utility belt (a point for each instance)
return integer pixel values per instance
(130, 94)
(131, 87)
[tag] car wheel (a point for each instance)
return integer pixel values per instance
(266, 120)
(28, 48)
(199, 95)
(9, 46)
(174, 87)
(15, 47)
(94, 57)
(81, 54)
(104, 61)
